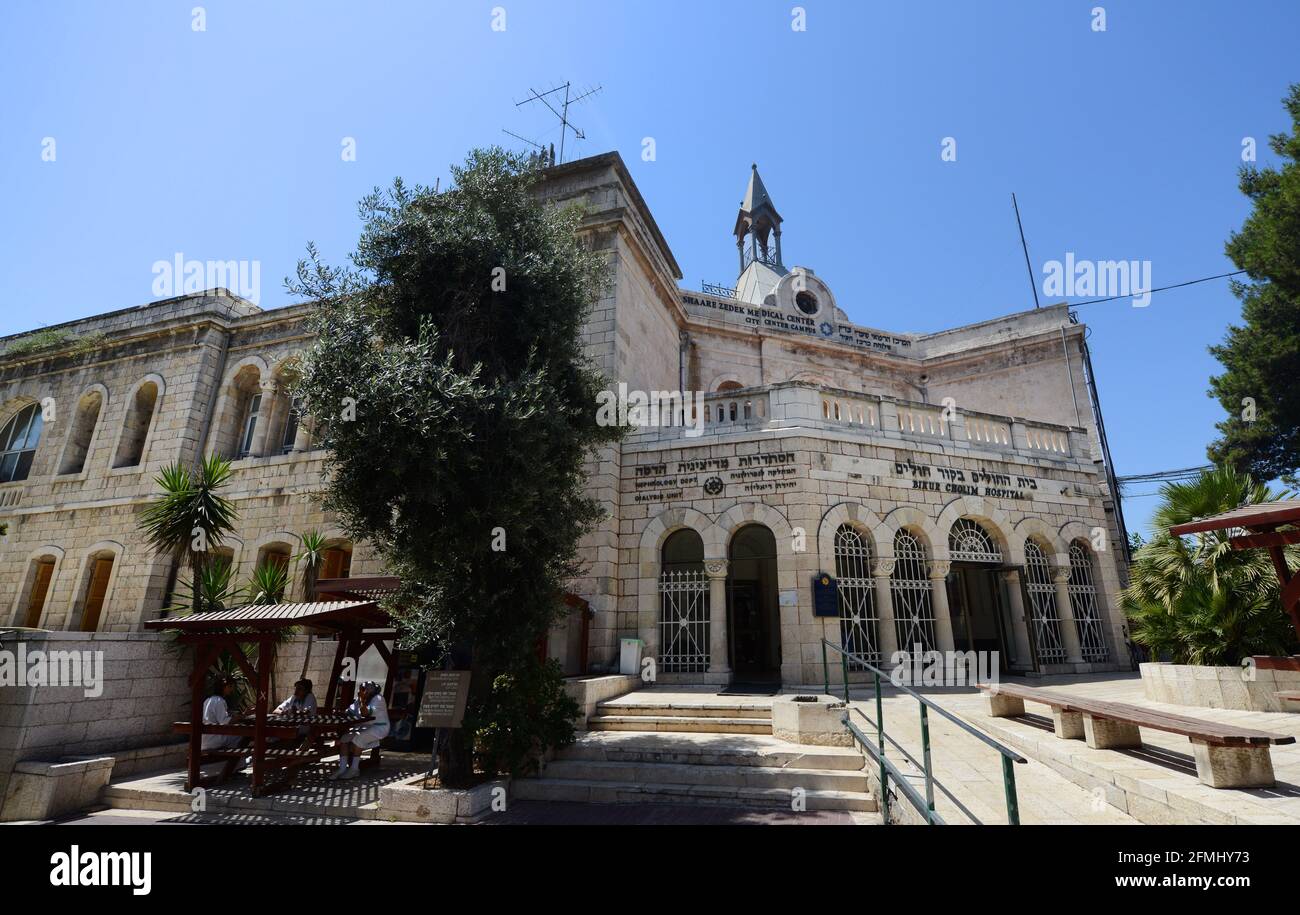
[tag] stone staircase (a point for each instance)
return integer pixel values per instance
(698, 752)
(751, 717)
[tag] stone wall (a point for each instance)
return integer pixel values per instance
(145, 688)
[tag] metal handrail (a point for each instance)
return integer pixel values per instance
(1009, 757)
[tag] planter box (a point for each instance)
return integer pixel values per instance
(818, 722)
(1247, 689)
(411, 803)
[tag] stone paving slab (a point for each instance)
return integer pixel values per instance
(1156, 783)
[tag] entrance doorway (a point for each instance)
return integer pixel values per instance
(980, 621)
(753, 612)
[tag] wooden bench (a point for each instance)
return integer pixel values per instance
(1227, 756)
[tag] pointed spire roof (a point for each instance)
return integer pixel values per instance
(756, 196)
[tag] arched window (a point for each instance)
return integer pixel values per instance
(37, 591)
(969, 542)
(1045, 625)
(909, 585)
(83, 432)
(1083, 603)
(242, 412)
(18, 441)
(139, 416)
(336, 560)
(856, 595)
(683, 605)
(730, 386)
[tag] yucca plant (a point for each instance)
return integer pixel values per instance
(310, 558)
(1196, 600)
(190, 518)
(268, 584)
(217, 589)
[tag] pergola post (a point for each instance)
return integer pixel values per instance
(202, 658)
(265, 660)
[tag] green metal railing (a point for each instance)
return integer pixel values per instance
(924, 805)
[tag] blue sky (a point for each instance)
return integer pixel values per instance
(225, 144)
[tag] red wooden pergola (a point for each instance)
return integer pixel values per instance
(357, 625)
(1268, 526)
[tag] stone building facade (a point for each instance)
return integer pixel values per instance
(950, 487)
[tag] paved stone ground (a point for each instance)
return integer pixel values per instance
(555, 813)
(312, 798)
(1157, 782)
(971, 771)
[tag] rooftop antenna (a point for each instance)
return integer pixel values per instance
(1032, 285)
(562, 113)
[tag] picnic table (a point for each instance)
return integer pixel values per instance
(282, 762)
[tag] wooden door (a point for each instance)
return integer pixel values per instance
(36, 599)
(95, 594)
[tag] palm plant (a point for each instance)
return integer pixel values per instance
(217, 589)
(268, 584)
(190, 518)
(1195, 599)
(311, 557)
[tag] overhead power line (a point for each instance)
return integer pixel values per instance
(1204, 279)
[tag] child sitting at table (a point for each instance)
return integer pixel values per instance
(356, 741)
(302, 702)
(216, 712)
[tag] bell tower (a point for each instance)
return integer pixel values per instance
(758, 227)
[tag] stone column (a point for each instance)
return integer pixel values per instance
(302, 438)
(1065, 612)
(262, 427)
(716, 569)
(886, 632)
(1019, 624)
(939, 601)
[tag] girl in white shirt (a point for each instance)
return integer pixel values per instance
(355, 742)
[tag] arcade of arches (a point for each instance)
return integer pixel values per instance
(722, 620)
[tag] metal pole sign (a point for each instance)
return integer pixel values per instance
(442, 705)
(443, 702)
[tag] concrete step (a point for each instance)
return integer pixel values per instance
(686, 710)
(609, 792)
(704, 749)
(681, 723)
(720, 776)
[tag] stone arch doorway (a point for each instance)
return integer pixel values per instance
(980, 619)
(753, 606)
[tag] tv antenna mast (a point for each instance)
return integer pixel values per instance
(551, 99)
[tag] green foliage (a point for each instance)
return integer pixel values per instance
(1195, 600)
(526, 711)
(190, 518)
(38, 342)
(54, 338)
(1261, 358)
(268, 584)
(217, 589)
(310, 557)
(474, 407)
